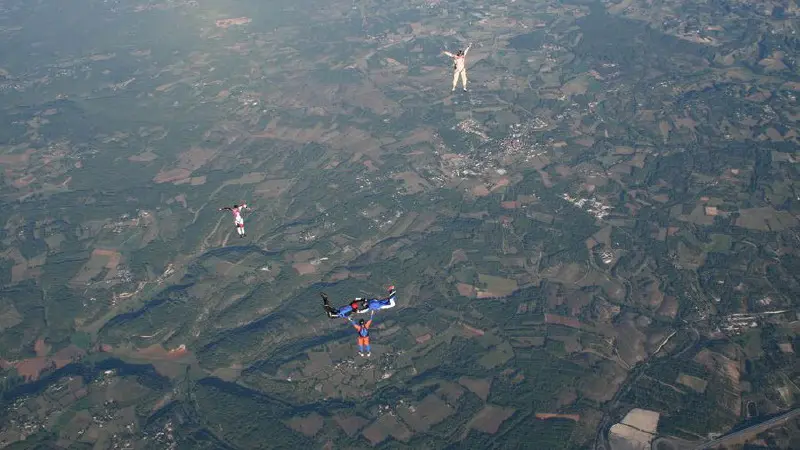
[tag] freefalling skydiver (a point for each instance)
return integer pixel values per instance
(237, 217)
(359, 305)
(343, 311)
(362, 328)
(459, 68)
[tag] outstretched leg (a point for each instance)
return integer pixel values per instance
(239, 226)
(332, 312)
(383, 303)
(464, 79)
(455, 79)
(388, 302)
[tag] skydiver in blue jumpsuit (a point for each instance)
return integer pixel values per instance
(359, 305)
(375, 304)
(343, 311)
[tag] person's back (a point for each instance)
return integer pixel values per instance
(459, 60)
(237, 211)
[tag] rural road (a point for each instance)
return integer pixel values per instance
(749, 430)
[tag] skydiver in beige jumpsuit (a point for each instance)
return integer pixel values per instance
(459, 67)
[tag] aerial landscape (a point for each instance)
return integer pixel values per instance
(595, 246)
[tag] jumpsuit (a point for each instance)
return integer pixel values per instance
(363, 336)
(346, 310)
(237, 217)
(381, 303)
(359, 305)
(460, 69)
(375, 304)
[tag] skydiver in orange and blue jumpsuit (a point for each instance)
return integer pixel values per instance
(362, 328)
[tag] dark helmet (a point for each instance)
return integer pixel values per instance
(235, 206)
(460, 52)
(361, 322)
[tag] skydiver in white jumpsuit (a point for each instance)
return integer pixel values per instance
(237, 217)
(459, 69)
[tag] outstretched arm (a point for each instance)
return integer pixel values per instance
(467, 49)
(449, 54)
(355, 325)
(227, 208)
(369, 322)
